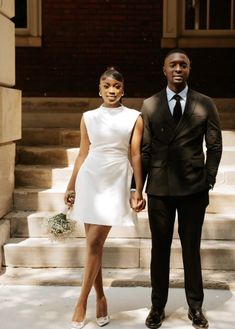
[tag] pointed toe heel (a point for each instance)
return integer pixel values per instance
(102, 321)
(77, 325)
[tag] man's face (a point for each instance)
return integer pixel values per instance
(176, 69)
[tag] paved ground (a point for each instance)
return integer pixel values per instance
(50, 307)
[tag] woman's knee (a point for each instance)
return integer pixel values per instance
(95, 245)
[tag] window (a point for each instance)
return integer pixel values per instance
(28, 23)
(199, 23)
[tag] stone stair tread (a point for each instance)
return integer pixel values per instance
(69, 242)
(222, 198)
(223, 167)
(213, 279)
(205, 244)
(110, 242)
(34, 224)
(118, 252)
(42, 167)
(46, 147)
(225, 189)
(141, 216)
(44, 252)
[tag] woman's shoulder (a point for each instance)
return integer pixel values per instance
(131, 111)
(90, 113)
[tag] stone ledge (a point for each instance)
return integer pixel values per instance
(112, 277)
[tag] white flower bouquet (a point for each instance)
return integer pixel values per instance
(60, 226)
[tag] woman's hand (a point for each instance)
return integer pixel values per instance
(137, 201)
(69, 198)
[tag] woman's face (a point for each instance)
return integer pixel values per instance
(111, 91)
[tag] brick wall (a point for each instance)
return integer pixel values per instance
(81, 38)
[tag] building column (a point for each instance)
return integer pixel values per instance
(10, 115)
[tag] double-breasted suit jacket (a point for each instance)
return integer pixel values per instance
(173, 156)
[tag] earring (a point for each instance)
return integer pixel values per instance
(100, 94)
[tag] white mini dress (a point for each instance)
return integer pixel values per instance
(103, 181)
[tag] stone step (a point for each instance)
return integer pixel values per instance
(25, 224)
(215, 255)
(222, 199)
(228, 137)
(46, 155)
(226, 175)
(118, 253)
(64, 156)
(71, 137)
(228, 156)
(42, 176)
(42, 252)
(133, 277)
(66, 112)
(50, 136)
(54, 112)
(46, 176)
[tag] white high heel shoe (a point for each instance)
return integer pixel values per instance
(77, 325)
(103, 320)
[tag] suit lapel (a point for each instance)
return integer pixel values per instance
(166, 113)
(188, 111)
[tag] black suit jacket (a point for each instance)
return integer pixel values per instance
(173, 157)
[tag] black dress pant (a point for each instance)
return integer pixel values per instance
(191, 212)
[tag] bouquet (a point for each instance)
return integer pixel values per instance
(60, 226)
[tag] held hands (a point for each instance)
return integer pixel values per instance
(137, 201)
(69, 198)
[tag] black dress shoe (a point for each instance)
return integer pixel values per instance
(155, 318)
(198, 319)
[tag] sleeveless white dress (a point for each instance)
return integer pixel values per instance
(103, 181)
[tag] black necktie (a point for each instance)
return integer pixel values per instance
(177, 111)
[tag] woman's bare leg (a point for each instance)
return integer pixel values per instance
(101, 303)
(96, 236)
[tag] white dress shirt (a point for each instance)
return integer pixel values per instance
(171, 101)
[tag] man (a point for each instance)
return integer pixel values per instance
(179, 178)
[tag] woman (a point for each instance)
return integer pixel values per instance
(100, 181)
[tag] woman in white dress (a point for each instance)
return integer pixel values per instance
(100, 183)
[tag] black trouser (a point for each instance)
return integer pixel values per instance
(191, 211)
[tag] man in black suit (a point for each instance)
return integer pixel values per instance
(179, 178)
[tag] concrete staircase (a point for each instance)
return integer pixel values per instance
(45, 156)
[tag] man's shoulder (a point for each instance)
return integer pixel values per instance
(198, 94)
(155, 97)
(203, 99)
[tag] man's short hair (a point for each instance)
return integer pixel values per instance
(176, 50)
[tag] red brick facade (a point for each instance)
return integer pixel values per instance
(81, 38)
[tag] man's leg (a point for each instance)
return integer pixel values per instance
(161, 218)
(191, 212)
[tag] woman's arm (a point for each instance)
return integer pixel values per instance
(84, 147)
(135, 155)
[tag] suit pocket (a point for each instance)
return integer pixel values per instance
(198, 162)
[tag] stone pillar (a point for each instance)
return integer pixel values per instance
(10, 115)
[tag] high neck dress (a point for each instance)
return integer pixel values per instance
(103, 181)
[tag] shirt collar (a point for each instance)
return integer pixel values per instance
(170, 94)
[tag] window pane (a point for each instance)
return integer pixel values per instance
(20, 18)
(220, 12)
(189, 15)
(195, 14)
(203, 14)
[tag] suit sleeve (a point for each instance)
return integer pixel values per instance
(213, 140)
(146, 142)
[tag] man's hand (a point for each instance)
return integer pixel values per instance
(137, 201)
